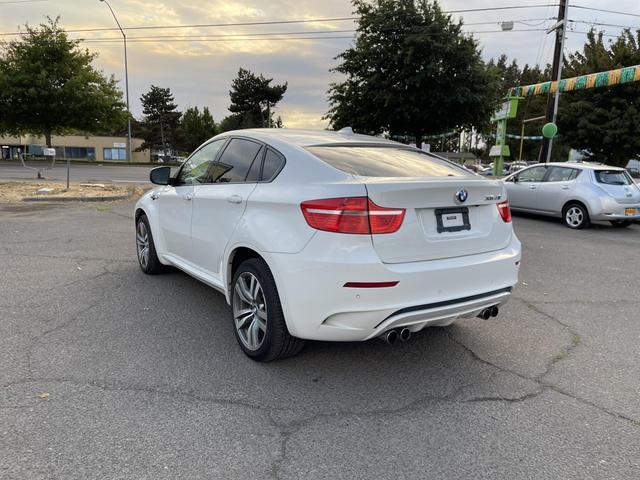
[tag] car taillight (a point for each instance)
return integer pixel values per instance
(505, 211)
(357, 215)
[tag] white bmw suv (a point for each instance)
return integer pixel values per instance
(330, 236)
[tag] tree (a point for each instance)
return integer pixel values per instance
(48, 85)
(195, 128)
(604, 121)
(412, 71)
(161, 120)
(252, 97)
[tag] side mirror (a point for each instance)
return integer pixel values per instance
(160, 176)
(515, 179)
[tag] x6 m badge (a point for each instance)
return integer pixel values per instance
(461, 195)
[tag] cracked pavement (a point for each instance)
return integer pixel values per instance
(108, 373)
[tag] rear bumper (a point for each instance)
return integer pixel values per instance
(432, 293)
(617, 213)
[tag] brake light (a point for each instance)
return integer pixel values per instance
(505, 211)
(356, 215)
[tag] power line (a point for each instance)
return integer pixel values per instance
(266, 34)
(249, 37)
(604, 10)
(10, 2)
(278, 22)
(600, 24)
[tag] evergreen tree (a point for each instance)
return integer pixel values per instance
(161, 120)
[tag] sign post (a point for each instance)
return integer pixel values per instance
(500, 150)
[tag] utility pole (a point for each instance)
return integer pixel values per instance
(552, 100)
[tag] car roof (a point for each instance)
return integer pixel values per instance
(583, 165)
(307, 138)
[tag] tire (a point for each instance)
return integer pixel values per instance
(575, 216)
(621, 223)
(145, 248)
(257, 318)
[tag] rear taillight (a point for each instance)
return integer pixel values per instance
(357, 215)
(505, 211)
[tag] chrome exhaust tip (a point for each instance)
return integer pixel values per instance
(405, 334)
(390, 337)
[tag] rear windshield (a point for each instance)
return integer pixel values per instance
(613, 177)
(386, 162)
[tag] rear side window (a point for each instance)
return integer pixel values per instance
(562, 174)
(386, 162)
(273, 163)
(612, 177)
(235, 162)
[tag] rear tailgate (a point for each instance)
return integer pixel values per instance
(437, 223)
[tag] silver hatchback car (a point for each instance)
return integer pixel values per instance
(577, 192)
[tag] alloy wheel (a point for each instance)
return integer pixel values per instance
(249, 311)
(142, 243)
(574, 216)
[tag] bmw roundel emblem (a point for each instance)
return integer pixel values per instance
(462, 195)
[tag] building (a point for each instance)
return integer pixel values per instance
(74, 147)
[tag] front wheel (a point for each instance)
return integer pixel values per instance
(621, 223)
(575, 216)
(258, 320)
(145, 248)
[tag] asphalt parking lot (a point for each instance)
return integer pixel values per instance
(108, 373)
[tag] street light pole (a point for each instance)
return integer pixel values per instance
(126, 82)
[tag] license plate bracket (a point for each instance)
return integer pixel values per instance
(452, 219)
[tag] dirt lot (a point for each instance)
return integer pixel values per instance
(11, 192)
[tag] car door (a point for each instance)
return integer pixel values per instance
(556, 189)
(219, 205)
(522, 188)
(175, 203)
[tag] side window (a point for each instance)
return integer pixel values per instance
(273, 163)
(561, 174)
(533, 174)
(195, 169)
(235, 162)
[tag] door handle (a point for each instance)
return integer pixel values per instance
(532, 187)
(234, 199)
(565, 187)
(187, 196)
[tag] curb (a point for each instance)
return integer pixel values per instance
(112, 198)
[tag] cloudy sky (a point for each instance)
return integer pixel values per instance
(199, 69)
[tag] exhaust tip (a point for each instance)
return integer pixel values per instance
(494, 311)
(405, 334)
(485, 314)
(390, 337)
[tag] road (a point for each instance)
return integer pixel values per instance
(79, 172)
(109, 373)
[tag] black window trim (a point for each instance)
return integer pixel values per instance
(222, 150)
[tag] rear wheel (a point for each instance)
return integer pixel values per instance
(621, 223)
(145, 248)
(575, 216)
(258, 320)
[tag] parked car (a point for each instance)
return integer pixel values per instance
(517, 166)
(330, 236)
(577, 192)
